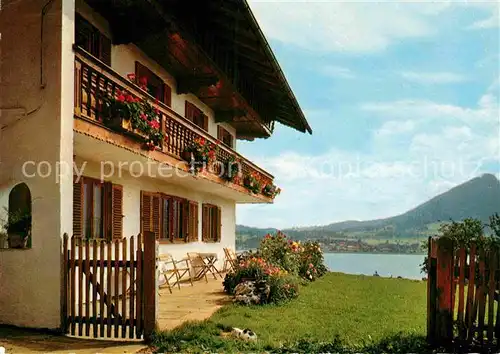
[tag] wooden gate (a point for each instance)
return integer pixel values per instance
(463, 293)
(106, 285)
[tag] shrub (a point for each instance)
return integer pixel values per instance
(284, 287)
(311, 261)
(281, 252)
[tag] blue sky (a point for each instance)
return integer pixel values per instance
(403, 99)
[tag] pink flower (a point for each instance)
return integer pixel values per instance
(130, 99)
(131, 77)
(144, 117)
(143, 81)
(154, 124)
(120, 97)
(311, 265)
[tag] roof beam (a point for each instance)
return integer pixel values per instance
(193, 83)
(229, 115)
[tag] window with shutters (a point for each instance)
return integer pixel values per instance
(172, 219)
(92, 40)
(195, 115)
(97, 209)
(211, 223)
(156, 86)
(225, 136)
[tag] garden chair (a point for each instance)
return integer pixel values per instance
(200, 268)
(170, 268)
(231, 261)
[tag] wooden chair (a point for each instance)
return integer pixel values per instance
(199, 266)
(230, 262)
(169, 268)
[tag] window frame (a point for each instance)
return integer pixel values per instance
(195, 115)
(164, 91)
(98, 44)
(223, 133)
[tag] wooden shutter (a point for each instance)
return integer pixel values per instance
(156, 220)
(218, 225)
(146, 212)
(117, 212)
(107, 210)
(78, 207)
(193, 222)
(185, 219)
(204, 222)
(205, 121)
(167, 92)
(105, 49)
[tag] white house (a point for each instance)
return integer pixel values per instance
(70, 160)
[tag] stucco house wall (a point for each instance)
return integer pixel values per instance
(39, 129)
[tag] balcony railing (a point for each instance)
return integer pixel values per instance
(95, 80)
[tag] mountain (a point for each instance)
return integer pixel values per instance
(476, 198)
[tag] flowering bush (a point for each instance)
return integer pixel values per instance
(142, 115)
(311, 261)
(283, 286)
(252, 183)
(280, 251)
(271, 190)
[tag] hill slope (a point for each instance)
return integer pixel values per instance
(477, 198)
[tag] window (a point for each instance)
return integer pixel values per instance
(211, 223)
(195, 115)
(225, 136)
(97, 209)
(19, 217)
(171, 218)
(92, 40)
(156, 87)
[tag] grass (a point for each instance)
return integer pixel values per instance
(339, 312)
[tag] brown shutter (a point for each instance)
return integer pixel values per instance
(146, 212)
(204, 223)
(185, 219)
(218, 225)
(220, 133)
(78, 207)
(188, 111)
(156, 222)
(107, 210)
(117, 212)
(167, 91)
(105, 49)
(193, 222)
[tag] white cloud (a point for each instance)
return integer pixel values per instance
(493, 18)
(420, 149)
(432, 78)
(337, 72)
(345, 26)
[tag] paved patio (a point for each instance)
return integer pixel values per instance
(190, 303)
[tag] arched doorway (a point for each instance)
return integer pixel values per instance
(19, 217)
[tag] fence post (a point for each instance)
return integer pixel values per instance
(150, 288)
(431, 291)
(445, 271)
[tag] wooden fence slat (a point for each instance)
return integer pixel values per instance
(431, 290)
(124, 288)
(108, 298)
(64, 305)
(80, 287)
(461, 290)
(87, 287)
(101, 299)
(482, 295)
(445, 264)
(497, 288)
(139, 295)
(491, 292)
(470, 293)
(116, 298)
(149, 284)
(73, 288)
(132, 288)
(94, 288)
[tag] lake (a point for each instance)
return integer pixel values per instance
(404, 265)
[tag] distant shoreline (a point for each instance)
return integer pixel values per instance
(388, 253)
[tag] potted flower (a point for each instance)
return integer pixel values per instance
(270, 190)
(252, 183)
(232, 169)
(199, 153)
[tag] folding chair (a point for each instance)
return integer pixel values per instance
(199, 266)
(231, 262)
(168, 268)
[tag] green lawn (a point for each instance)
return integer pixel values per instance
(353, 312)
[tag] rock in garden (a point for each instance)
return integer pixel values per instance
(252, 292)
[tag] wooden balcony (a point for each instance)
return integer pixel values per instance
(95, 80)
